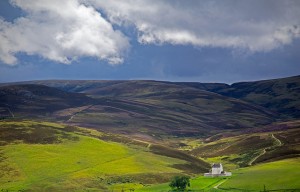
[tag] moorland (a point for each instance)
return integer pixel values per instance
(103, 135)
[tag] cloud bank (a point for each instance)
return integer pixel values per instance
(256, 25)
(65, 30)
(60, 31)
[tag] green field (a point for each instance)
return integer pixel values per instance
(196, 184)
(71, 161)
(276, 175)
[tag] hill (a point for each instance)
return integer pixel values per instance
(157, 108)
(242, 148)
(43, 156)
(137, 107)
(279, 95)
(37, 100)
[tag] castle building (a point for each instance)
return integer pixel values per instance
(217, 170)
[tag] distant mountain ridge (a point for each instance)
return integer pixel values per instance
(279, 95)
(158, 107)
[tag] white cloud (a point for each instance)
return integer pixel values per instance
(256, 25)
(61, 31)
(65, 30)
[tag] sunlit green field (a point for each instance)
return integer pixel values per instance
(280, 175)
(275, 175)
(196, 184)
(84, 163)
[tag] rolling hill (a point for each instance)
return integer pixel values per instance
(279, 95)
(134, 107)
(248, 147)
(37, 100)
(44, 156)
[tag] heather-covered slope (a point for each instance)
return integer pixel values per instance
(148, 107)
(279, 95)
(37, 100)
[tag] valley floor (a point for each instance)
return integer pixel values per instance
(275, 176)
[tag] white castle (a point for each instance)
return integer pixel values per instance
(217, 170)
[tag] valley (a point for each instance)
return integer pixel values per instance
(61, 135)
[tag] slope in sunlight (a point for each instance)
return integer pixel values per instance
(43, 156)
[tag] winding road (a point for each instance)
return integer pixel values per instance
(277, 143)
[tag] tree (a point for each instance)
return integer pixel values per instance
(180, 183)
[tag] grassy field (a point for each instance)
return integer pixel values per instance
(196, 184)
(60, 161)
(277, 175)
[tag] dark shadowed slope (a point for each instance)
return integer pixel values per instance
(279, 95)
(147, 107)
(35, 100)
(84, 86)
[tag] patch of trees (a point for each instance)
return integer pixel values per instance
(180, 183)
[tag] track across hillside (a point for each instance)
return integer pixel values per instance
(277, 143)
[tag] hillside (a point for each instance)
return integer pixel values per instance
(248, 147)
(154, 108)
(84, 86)
(279, 95)
(177, 108)
(37, 100)
(43, 156)
(136, 107)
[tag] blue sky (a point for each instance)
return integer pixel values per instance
(204, 41)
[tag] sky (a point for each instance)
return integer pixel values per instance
(172, 40)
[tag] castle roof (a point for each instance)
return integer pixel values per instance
(216, 165)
